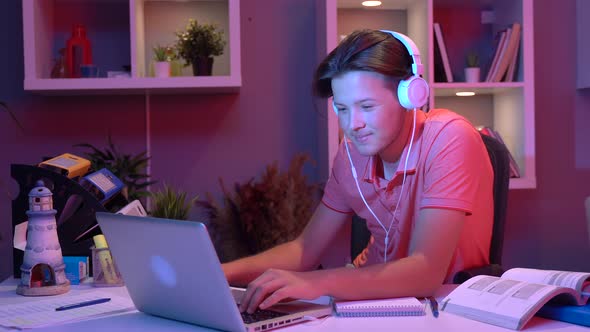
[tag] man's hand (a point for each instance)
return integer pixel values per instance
(274, 286)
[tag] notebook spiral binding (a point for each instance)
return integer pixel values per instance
(381, 313)
(380, 310)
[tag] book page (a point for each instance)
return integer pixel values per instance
(574, 280)
(498, 301)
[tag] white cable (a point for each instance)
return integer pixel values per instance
(405, 170)
(358, 187)
(354, 175)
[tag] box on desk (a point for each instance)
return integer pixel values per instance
(104, 269)
(76, 268)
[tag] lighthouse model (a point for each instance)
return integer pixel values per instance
(42, 271)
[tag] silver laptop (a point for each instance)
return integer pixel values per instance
(171, 270)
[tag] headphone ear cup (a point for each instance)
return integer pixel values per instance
(413, 92)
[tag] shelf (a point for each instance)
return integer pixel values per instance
(122, 34)
(209, 84)
(467, 26)
(482, 88)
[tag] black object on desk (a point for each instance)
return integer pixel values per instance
(76, 209)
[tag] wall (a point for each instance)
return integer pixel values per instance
(546, 227)
(195, 138)
(353, 19)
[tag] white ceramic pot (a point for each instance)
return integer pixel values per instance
(162, 69)
(472, 74)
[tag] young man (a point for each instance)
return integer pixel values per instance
(423, 181)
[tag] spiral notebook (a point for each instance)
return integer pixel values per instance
(403, 306)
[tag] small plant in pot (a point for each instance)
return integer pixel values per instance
(163, 55)
(197, 45)
(472, 68)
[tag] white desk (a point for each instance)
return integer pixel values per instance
(137, 321)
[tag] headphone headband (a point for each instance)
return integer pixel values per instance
(417, 68)
(412, 92)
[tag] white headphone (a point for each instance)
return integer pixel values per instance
(412, 94)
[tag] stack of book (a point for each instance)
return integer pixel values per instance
(441, 59)
(514, 298)
(504, 62)
(503, 65)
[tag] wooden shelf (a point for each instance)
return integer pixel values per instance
(122, 33)
(482, 88)
(508, 107)
(208, 84)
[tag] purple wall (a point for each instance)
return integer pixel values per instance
(198, 138)
(546, 227)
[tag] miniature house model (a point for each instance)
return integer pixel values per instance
(43, 268)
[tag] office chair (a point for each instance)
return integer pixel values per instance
(501, 165)
(500, 161)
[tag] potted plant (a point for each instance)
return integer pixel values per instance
(171, 204)
(258, 214)
(130, 169)
(163, 55)
(197, 45)
(472, 68)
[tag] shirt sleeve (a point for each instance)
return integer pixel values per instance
(455, 164)
(335, 196)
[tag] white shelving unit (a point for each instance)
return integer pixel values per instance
(123, 32)
(508, 107)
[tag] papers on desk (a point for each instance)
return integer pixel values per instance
(41, 311)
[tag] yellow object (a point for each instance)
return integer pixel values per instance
(106, 261)
(100, 241)
(68, 165)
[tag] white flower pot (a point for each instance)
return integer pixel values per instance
(472, 74)
(162, 69)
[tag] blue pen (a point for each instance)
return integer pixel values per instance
(434, 306)
(82, 304)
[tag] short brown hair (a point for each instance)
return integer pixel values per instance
(366, 50)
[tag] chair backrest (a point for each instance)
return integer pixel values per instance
(500, 161)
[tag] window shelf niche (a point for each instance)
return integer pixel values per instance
(122, 34)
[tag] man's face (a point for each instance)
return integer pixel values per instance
(369, 112)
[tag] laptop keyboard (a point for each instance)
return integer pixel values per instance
(260, 314)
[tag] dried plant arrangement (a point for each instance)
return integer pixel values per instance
(256, 216)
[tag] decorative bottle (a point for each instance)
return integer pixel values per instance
(78, 51)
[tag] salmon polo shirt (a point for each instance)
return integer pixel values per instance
(448, 168)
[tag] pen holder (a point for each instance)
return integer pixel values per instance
(104, 269)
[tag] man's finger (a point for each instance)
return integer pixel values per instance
(262, 291)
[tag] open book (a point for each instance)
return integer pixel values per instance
(511, 300)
